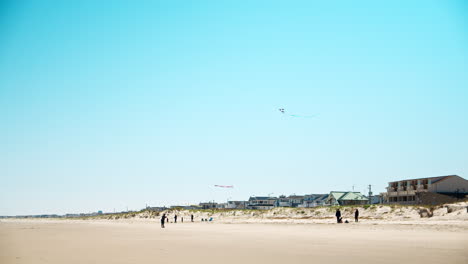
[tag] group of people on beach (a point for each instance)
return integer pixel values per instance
(339, 219)
(165, 219)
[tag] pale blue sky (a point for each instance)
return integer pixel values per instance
(109, 104)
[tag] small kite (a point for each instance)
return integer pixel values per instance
(300, 116)
(224, 186)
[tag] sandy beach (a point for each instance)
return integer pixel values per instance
(69, 241)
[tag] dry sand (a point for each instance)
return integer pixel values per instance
(68, 241)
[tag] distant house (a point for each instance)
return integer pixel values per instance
(431, 190)
(290, 201)
(375, 199)
(156, 209)
(283, 201)
(346, 198)
(192, 207)
(72, 215)
(296, 200)
(313, 200)
(209, 205)
(186, 207)
(221, 206)
(236, 205)
(261, 202)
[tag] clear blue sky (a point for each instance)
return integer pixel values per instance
(109, 104)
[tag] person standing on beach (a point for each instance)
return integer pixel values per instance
(175, 218)
(338, 215)
(191, 217)
(356, 215)
(163, 219)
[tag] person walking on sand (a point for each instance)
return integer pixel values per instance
(175, 218)
(338, 215)
(356, 215)
(191, 217)
(163, 219)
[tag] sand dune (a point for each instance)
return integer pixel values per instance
(380, 214)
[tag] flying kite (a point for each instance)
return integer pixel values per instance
(301, 116)
(225, 186)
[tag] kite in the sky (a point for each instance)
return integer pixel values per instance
(301, 116)
(224, 186)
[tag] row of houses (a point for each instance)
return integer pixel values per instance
(310, 200)
(268, 202)
(431, 190)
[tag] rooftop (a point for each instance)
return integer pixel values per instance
(262, 198)
(348, 196)
(435, 179)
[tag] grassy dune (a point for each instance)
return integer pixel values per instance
(456, 211)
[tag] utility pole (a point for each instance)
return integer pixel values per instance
(370, 194)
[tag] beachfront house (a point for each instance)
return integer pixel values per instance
(221, 206)
(290, 201)
(208, 205)
(283, 201)
(296, 200)
(313, 200)
(431, 190)
(375, 199)
(236, 205)
(261, 202)
(346, 198)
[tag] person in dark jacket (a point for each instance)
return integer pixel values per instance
(163, 219)
(356, 215)
(191, 216)
(175, 218)
(338, 215)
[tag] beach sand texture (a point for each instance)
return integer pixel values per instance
(70, 241)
